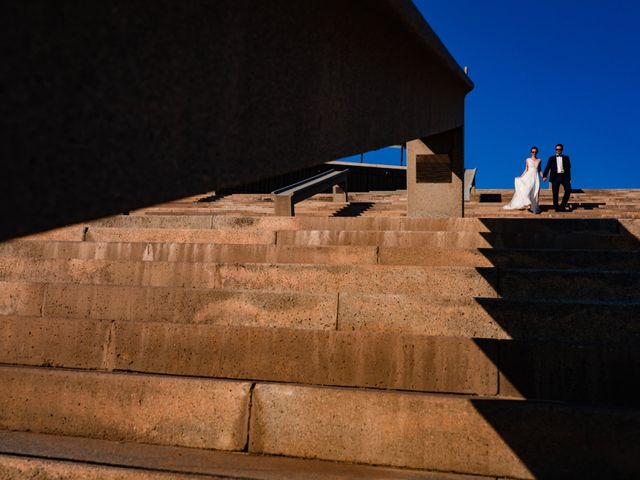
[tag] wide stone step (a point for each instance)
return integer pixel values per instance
(494, 437)
(190, 412)
(523, 284)
(104, 234)
(568, 241)
(332, 254)
(162, 304)
(191, 252)
(602, 373)
(56, 457)
(360, 223)
(436, 281)
(400, 313)
(490, 317)
(461, 434)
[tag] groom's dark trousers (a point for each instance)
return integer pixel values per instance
(558, 179)
(561, 179)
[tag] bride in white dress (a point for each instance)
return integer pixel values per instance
(527, 186)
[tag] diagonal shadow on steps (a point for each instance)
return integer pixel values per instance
(569, 305)
(353, 209)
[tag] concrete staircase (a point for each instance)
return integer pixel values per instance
(210, 339)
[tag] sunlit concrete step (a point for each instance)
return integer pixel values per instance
(565, 284)
(191, 412)
(56, 457)
(325, 357)
(587, 372)
(102, 234)
(569, 241)
(449, 282)
(490, 318)
(496, 437)
(399, 313)
(191, 252)
(463, 434)
(181, 305)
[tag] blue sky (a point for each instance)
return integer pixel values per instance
(546, 72)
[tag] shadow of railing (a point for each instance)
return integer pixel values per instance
(568, 364)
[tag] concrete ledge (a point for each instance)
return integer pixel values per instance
(18, 298)
(491, 437)
(148, 409)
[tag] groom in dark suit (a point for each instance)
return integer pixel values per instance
(560, 167)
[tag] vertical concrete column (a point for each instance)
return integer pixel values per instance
(435, 175)
(339, 194)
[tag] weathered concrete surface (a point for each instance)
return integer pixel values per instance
(157, 304)
(149, 409)
(18, 298)
(489, 318)
(437, 281)
(429, 199)
(184, 235)
(389, 361)
(405, 239)
(156, 122)
(172, 462)
(419, 430)
(374, 427)
(191, 252)
(458, 240)
(56, 342)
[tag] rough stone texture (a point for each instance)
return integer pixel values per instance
(392, 361)
(124, 105)
(407, 430)
(156, 304)
(457, 434)
(404, 239)
(436, 199)
(18, 298)
(191, 252)
(437, 281)
(55, 342)
(178, 462)
(489, 318)
(147, 409)
(101, 234)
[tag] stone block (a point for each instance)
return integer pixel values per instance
(461, 434)
(360, 359)
(19, 298)
(140, 408)
(55, 342)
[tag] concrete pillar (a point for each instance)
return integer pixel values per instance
(283, 206)
(435, 175)
(339, 194)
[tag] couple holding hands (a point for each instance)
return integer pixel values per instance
(527, 185)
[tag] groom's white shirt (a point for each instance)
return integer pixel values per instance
(559, 163)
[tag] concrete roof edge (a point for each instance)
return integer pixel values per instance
(411, 16)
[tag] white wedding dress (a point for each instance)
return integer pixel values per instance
(527, 188)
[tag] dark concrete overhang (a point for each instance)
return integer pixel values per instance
(111, 106)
